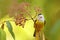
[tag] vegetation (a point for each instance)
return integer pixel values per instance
(10, 29)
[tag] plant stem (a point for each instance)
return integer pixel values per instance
(39, 36)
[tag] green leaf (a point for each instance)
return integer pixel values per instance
(9, 26)
(2, 35)
(10, 29)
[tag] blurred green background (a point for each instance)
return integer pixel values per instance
(50, 9)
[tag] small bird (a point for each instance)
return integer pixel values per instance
(38, 25)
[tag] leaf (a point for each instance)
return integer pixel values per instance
(2, 35)
(9, 25)
(10, 29)
(13, 35)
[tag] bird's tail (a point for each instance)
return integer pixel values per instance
(34, 33)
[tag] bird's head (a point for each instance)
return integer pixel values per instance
(40, 17)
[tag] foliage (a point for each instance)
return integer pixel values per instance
(50, 9)
(9, 26)
(2, 34)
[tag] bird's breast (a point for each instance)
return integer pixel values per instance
(38, 25)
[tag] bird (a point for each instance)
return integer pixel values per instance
(39, 25)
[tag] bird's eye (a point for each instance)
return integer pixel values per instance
(41, 17)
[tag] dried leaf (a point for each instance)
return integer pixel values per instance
(2, 26)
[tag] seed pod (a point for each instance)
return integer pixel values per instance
(20, 20)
